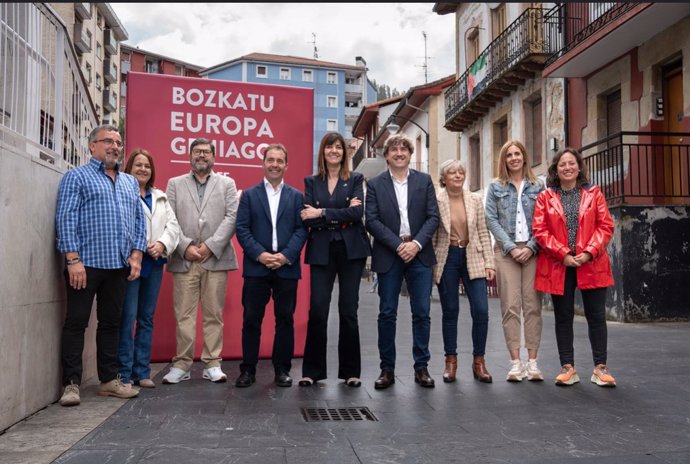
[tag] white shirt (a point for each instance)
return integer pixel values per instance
(273, 202)
(401, 196)
(521, 228)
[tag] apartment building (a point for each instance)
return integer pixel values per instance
(96, 33)
(340, 90)
(138, 60)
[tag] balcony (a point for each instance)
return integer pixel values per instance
(586, 36)
(82, 10)
(642, 168)
(513, 57)
(109, 42)
(109, 100)
(110, 70)
(82, 38)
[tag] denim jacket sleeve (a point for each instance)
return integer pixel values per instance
(493, 223)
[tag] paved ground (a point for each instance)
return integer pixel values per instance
(646, 419)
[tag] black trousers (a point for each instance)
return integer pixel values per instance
(108, 287)
(595, 311)
(349, 274)
(256, 292)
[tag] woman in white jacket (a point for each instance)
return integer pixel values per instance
(163, 235)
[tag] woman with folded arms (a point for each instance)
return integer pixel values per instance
(338, 245)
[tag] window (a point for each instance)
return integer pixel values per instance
(261, 71)
(98, 81)
(533, 130)
(500, 136)
(89, 73)
(178, 70)
(307, 75)
(151, 67)
(498, 20)
(332, 78)
(475, 164)
(99, 20)
(332, 124)
(331, 101)
(472, 46)
(284, 74)
(99, 50)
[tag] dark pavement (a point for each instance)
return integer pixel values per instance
(646, 419)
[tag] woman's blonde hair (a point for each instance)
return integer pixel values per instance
(449, 165)
(503, 175)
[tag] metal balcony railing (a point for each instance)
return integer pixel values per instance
(569, 24)
(358, 157)
(521, 40)
(641, 167)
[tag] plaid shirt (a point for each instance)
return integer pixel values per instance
(100, 219)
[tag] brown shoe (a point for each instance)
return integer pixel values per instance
(479, 370)
(451, 368)
(117, 389)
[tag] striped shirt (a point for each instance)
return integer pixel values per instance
(100, 219)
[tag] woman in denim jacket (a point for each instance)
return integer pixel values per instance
(510, 204)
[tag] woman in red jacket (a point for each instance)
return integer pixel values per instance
(572, 226)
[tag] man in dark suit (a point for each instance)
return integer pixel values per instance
(271, 233)
(402, 215)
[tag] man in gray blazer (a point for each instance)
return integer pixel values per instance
(205, 204)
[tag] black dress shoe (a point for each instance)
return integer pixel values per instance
(245, 379)
(385, 380)
(283, 380)
(422, 377)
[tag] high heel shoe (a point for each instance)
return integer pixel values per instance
(479, 370)
(451, 368)
(306, 382)
(353, 382)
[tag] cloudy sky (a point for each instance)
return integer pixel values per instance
(387, 35)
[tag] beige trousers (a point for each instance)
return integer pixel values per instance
(519, 300)
(188, 288)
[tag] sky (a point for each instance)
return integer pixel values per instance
(389, 36)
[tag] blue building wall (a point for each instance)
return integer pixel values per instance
(322, 90)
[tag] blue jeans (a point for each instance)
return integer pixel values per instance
(419, 280)
(134, 352)
(448, 289)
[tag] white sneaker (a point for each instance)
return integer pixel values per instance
(214, 374)
(517, 371)
(533, 371)
(176, 375)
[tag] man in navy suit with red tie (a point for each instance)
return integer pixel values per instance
(271, 233)
(402, 215)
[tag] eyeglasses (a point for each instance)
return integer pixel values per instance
(199, 151)
(109, 142)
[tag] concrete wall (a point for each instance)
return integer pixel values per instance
(650, 257)
(31, 285)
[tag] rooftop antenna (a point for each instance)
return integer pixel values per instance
(316, 50)
(426, 61)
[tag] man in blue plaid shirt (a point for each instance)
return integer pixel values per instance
(101, 230)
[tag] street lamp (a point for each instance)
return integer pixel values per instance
(393, 128)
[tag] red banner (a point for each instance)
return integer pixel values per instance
(165, 114)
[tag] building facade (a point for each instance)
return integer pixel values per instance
(340, 91)
(96, 33)
(500, 93)
(46, 115)
(138, 60)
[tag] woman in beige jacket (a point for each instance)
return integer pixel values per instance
(463, 253)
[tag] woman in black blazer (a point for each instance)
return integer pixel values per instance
(337, 245)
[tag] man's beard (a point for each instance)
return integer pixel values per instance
(202, 171)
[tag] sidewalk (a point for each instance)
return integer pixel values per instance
(646, 419)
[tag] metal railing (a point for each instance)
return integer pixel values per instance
(523, 37)
(43, 98)
(569, 24)
(641, 167)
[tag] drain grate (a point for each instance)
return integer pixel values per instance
(354, 414)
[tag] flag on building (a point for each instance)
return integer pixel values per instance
(477, 73)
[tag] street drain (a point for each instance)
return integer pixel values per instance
(338, 414)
